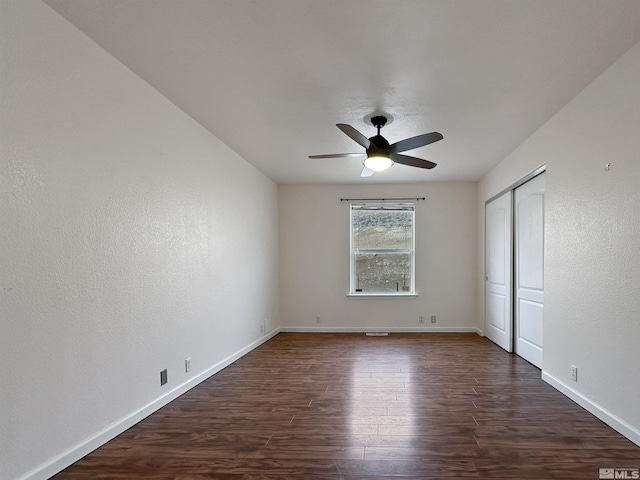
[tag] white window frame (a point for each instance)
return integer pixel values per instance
(353, 251)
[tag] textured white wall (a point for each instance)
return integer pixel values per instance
(314, 258)
(130, 239)
(592, 241)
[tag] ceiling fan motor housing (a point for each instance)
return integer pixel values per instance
(379, 144)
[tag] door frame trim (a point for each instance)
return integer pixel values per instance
(516, 184)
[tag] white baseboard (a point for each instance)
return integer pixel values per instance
(599, 411)
(69, 457)
(380, 329)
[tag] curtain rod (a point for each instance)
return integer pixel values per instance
(380, 199)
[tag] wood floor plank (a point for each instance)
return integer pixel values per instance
(351, 407)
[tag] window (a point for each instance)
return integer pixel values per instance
(382, 249)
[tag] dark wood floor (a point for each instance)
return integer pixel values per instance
(347, 406)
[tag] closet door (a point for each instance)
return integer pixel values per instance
(498, 290)
(529, 269)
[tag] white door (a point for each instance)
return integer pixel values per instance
(498, 290)
(529, 271)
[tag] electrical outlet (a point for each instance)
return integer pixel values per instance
(574, 373)
(433, 319)
(187, 365)
(262, 329)
(163, 377)
(317, 318)
(420, 319)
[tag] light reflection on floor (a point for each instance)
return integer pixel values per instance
(380, 394)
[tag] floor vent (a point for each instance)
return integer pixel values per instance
(376, 334)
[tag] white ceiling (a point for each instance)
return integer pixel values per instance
(271, 78)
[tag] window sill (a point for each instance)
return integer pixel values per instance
(382, 295)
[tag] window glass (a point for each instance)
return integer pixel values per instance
(382, 249)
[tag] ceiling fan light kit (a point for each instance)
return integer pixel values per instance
(378, 163)
(380, 154)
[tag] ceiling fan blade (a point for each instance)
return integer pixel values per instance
(415, 142)
(339, 155)
(354, 134)
(411, 161)
(366, 172)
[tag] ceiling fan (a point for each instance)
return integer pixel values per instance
(380, 154)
